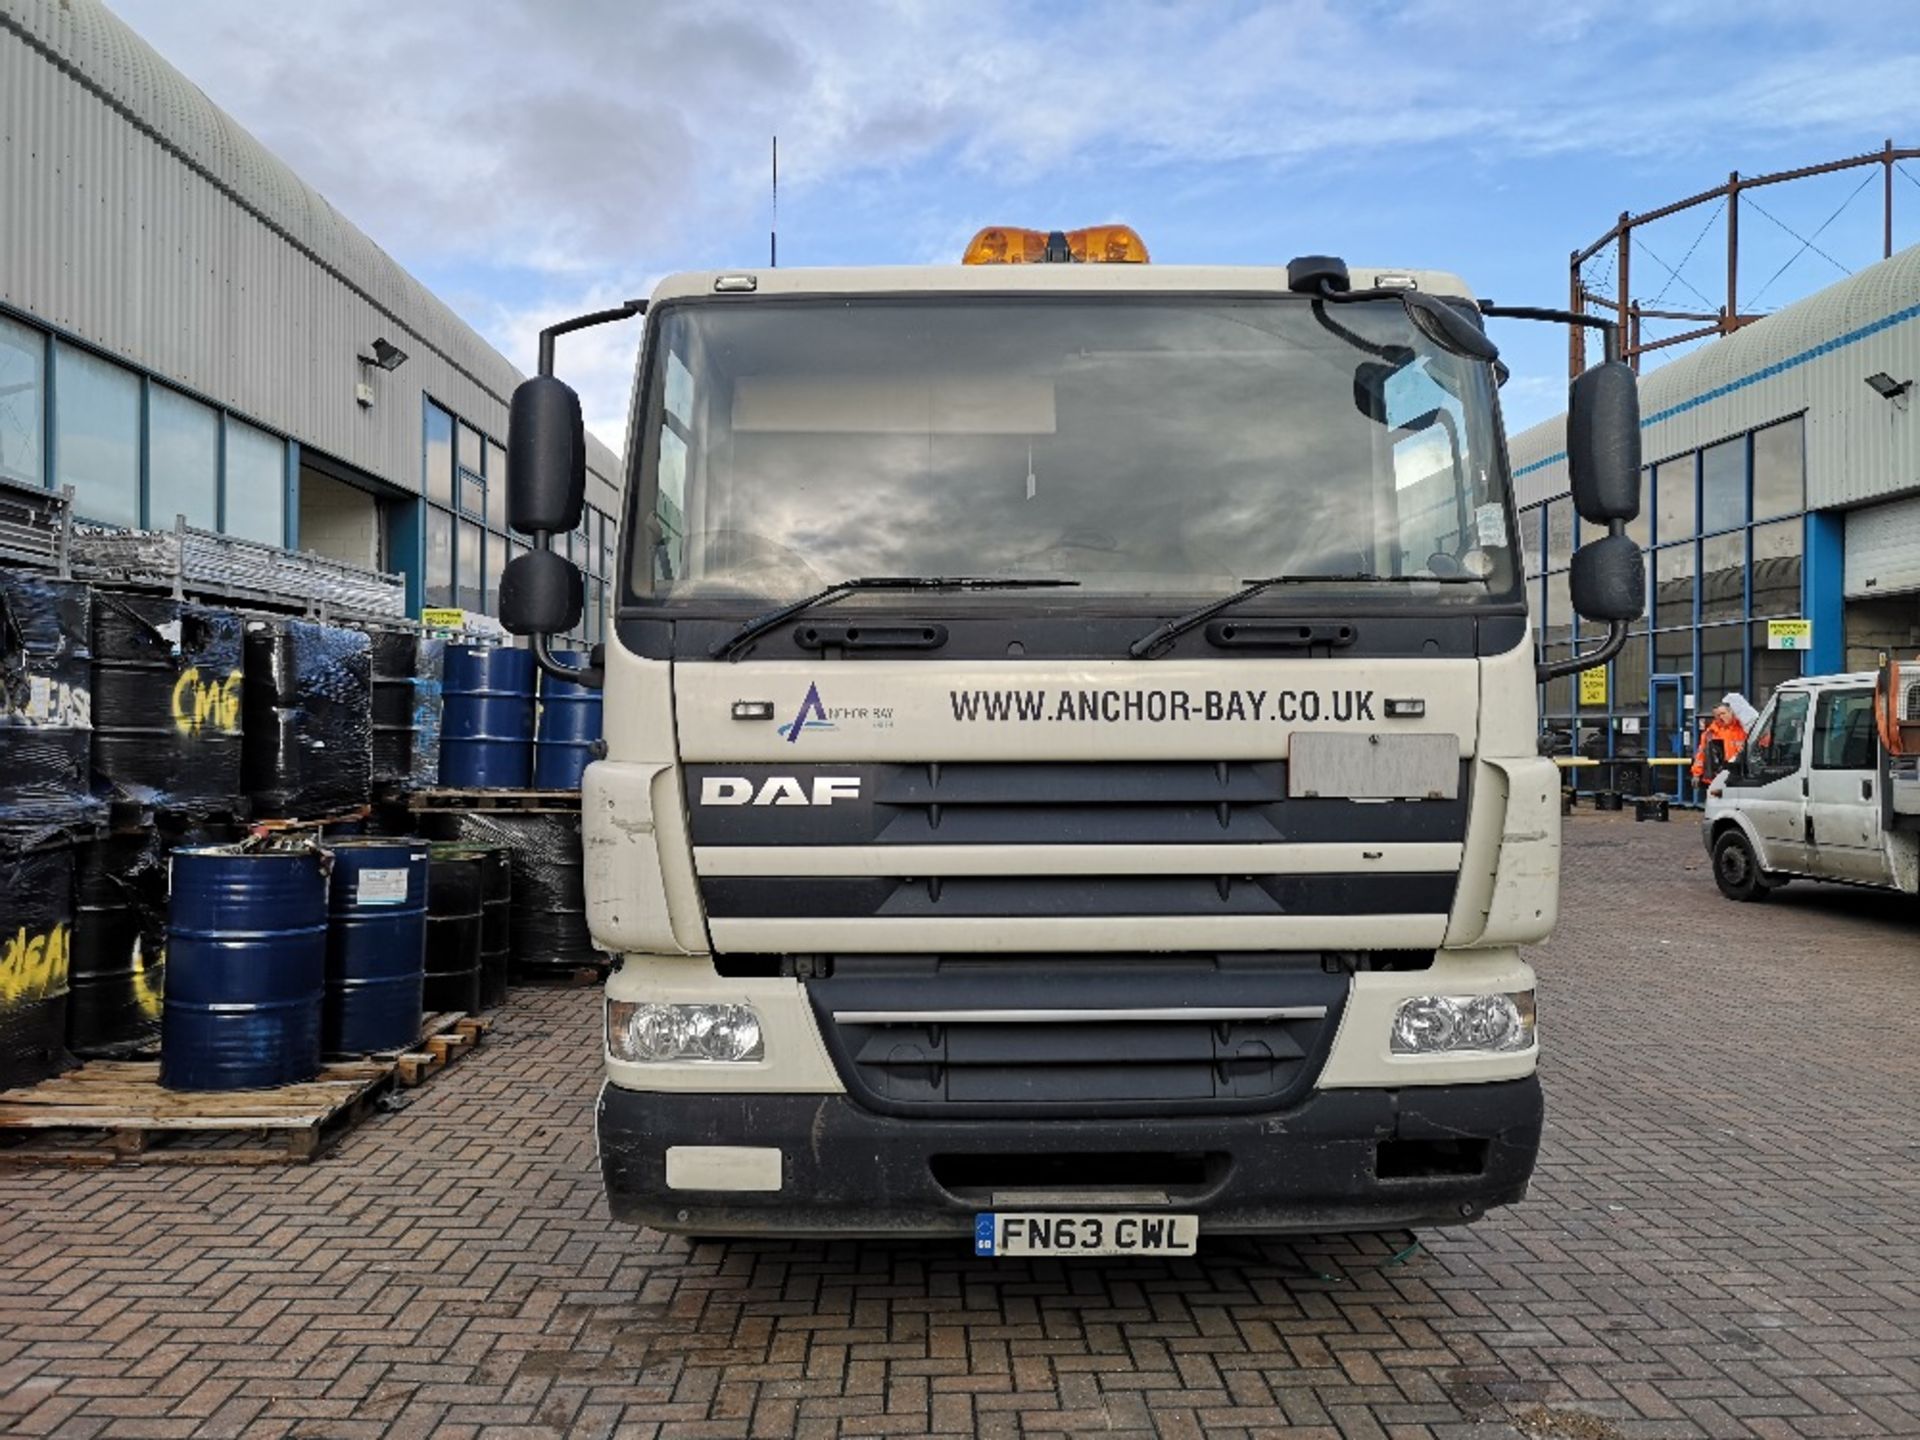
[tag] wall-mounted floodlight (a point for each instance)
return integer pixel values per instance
(1886, 387)
(386, 355)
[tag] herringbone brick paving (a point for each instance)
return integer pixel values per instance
(1723, 1240)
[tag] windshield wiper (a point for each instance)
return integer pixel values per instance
(1156, 642)
(730, 648)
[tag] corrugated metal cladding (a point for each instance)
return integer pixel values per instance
(1812, 356)
(142, 218)
(1883, 549)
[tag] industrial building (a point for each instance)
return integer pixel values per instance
(187, 328)
(1780, 518)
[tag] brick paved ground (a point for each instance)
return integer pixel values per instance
(1724, 1240)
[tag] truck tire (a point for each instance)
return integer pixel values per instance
(1736, 869)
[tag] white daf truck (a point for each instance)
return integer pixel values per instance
(1070, 773)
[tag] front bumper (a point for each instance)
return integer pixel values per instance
(1450, 1153)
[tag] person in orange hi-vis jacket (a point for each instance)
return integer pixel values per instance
(1724, 735)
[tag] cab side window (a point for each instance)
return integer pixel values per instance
(1843, 734)
(1779, 736)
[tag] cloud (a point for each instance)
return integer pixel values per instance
(572, 150)
(578, 136)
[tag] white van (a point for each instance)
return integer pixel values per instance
(1811, 796)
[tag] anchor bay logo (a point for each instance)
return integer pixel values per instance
(812, 716)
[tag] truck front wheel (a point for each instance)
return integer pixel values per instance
(1736, 869)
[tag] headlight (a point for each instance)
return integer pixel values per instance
(1450, 1024)
(651, 1034)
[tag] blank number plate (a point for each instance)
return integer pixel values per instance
(1104, 1233)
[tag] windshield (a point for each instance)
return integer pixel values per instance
(1170, 447)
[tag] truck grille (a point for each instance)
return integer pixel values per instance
(1097, 803)
(1079, 1036)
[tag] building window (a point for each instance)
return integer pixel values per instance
(1776, 567)
(1673, 586)
(439, 586)
(469, 584)
(256, 484)
(1723, 486)
(23, 403)
(472, 456)
(96, 436)
(439, 476)
(137, 452)
(183, 461)
(1780, 469)
(1723, 576)
(1673, 499)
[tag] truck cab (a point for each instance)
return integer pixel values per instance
(1070, 774)
(1813, 795)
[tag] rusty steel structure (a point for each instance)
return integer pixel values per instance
(1630, 313)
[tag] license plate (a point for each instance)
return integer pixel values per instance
(1084, 1233)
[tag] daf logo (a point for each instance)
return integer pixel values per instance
(777, 790)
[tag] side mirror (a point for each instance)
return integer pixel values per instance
(1603, 443)
(1608, 580)
(546, 458)
(1447, 327)
(541, 593)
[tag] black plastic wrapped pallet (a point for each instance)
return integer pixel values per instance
(308, 713)
(117, 959)
(36, 928)
(166, 703)
(395, 656)
(46, 705)
(549, 906)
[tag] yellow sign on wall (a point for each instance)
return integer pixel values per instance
(443, 619)
(1789, 634)
(1593, 686)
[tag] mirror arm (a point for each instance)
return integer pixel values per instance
(591, 676)
(1609, 329)
(624, 310)
(1615, 642)
(543, 656)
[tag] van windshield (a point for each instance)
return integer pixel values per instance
(1173, 446)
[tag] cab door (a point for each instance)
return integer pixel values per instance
(1843, 804)
(1770, 783)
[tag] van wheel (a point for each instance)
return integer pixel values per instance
(1736, 869)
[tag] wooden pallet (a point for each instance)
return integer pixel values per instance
(122, 1114)
(549, 801)
(443, 1040)
(115, 1111)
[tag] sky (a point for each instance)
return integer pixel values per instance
(531, 159)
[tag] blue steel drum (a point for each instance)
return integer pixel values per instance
(486, 727)
(246, 968)
(569, 728)
(376, 946)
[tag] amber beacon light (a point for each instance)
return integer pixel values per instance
(1095, 245)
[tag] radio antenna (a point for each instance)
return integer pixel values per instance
(773, 234)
